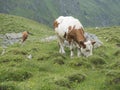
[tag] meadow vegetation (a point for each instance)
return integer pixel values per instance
(49, 70)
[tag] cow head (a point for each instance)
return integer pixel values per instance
(86, 47)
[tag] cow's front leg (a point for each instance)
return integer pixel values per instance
(78, 52)
(71, 49)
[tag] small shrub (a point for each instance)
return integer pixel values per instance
(57, 55)
(1, 49)
(78, 77)
(14, 75)
(117, 53)
(9, 58)
(43, 57)
(97, 60)
(113, 40)
(115, 65)
(113, 77)
(118, 44)
(59, 61)
(17, 51)
(80, 63)
(7, 87)
(63, 82)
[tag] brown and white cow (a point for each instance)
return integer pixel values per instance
(70, 29)
(24, 36)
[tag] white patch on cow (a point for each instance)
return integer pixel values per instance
(88, 50)
(65, 22)
(60, 19)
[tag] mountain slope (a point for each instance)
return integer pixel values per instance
(49, 70)
(11, 23)
(90, 13)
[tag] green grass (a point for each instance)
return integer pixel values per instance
(10, 23)
(49, 70)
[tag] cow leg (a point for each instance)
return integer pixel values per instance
(71, 49)
(61, 45)
(61, 50)
(78, 52)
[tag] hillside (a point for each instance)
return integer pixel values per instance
(11, 23)
(90, 12)
(49, 70)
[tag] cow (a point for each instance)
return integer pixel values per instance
(24, 36)
(68, 28)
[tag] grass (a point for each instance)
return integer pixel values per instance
(49, 70)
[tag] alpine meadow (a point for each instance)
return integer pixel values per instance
(37, 64)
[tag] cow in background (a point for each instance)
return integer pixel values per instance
(70, 29)
(24, 36)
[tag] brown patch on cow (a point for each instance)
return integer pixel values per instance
(70, 28)
(76, 34)
(55, 24)
(80, 35)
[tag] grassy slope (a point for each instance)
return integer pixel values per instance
(49, 70)
(10, 23)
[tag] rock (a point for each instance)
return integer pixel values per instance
(13, 35)
(29, 56)
(97, 28)
(48, 39)
(10, 38)
(93, 37)
(88, 36)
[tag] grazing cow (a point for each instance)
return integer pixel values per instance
(70, 29)
(24, 36)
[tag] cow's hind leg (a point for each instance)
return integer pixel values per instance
(61, 46)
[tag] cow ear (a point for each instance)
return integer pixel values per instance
(82, 44)
(93, 42)
(55, 24)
